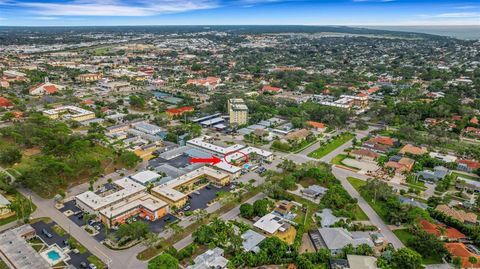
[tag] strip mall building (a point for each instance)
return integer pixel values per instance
(129, 198)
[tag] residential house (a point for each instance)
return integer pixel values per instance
(335, 239)
(5, 103)
(271, 223)
(297, 136)
(469, 218)
(317, 126)
(212, 258)
(359, 262)
(468, 165)
(379, 144)
(442, 231)
(400, 165)
(467, 184)
(328, 219)
(438, 173)
(409, 148)
(270, 89)
(364, 154)
(252, 240)
(461, 250)
(314, 191)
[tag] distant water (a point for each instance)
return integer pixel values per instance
(471, 32)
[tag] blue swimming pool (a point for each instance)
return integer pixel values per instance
(53, 255)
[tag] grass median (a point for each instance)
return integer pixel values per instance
(331, 146)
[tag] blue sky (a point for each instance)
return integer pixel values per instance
(225, 12)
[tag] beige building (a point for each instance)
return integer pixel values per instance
(69, 112)
(176, 191)
(238, 112)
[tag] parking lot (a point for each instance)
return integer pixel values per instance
(200, 198)
(75, 259)
(155, 226)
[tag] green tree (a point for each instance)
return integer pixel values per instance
(9, 155)
(22, 206)
(406, 258)
(246, 211)
(473, 260)
(163, 261)
(260, 207)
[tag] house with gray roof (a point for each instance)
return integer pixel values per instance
(212, 258)
(438, 173)
(252, 240)
(335, 239)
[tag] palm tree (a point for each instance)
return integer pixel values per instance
(473, 260)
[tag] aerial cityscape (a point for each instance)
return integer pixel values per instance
(239, 134)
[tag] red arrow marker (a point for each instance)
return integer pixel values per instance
(212, 160)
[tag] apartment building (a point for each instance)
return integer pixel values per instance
(238, 112)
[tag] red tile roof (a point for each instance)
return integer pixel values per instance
(315, 124)
(470, 163)
(450, 233)
(474, 120)
(365, 152)
(4, 102)
(179, 111)
(382, 140)
(270, 89)
(460, 250)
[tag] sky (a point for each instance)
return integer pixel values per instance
(238, 12)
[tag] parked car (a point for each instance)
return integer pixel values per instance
(186, 208)
(80, 216)
(92, 266)
(98, 227)
(46, 233)
(83, 265)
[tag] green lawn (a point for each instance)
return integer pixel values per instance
(356, 183)
(338, 160)
(331, 146)
(359, 214)
(465, 176)
(404, 235)
(95, 260)
(376, 206)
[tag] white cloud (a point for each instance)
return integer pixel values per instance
(452, 15)
(44, 18)
(116, 7)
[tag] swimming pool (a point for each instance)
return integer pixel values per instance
(53, 255)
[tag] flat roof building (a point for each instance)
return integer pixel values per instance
(17, 253)
(70, 113)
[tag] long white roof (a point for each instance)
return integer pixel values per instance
(97, 202)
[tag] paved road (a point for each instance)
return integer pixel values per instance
(233, 213)
(342, 175)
